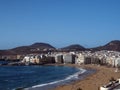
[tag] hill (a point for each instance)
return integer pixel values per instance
(34, 48)
(74, 47)
(44, 47)
(112, 46)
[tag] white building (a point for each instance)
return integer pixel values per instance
(31, 59)
(117, 62)
(80, 59)
(110, 60)
(59, 58)
(26, 59)
(67, 58)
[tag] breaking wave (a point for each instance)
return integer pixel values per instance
(68, 79)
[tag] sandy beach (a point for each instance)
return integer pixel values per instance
(94, 81)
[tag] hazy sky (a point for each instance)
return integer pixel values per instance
(59, 22)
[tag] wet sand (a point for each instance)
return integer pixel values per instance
(92, 82)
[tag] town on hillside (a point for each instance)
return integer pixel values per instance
(41, 53)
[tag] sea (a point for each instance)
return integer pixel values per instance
(37, 77)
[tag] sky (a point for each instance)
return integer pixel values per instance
(90, 23)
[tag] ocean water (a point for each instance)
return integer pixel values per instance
(12, 77)
(4, 62)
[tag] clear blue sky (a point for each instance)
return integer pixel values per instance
(59, 22)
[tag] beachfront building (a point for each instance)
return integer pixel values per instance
(48, 60)
(110, 61)
(26, 59)
(68, 58)
(87, 60)
(38, 59)
(110, 58)
(113, 61)
(33, 59)
(59, 58)
(80, 59)
(117, 62)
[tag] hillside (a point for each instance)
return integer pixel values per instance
(34, 48)
(112, 46)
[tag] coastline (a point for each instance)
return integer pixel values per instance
(75, 77)
(98, 76)
(93, 81)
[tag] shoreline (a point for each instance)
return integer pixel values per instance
(93, 81)
(90, 81)
(81, 74)
(78, 76)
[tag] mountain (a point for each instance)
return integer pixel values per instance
(44, 47)
(74, 47)
(112, 46)
(41, 46)
(34, 48)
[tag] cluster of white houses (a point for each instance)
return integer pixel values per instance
(38, 59)
(111, 58)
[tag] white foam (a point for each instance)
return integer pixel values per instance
(71, 77)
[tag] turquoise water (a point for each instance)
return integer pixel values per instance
(12, 77)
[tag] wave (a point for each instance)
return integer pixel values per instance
(63, 81)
